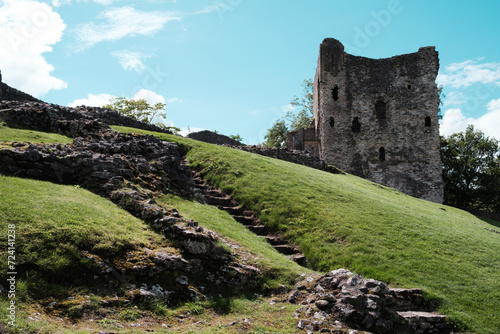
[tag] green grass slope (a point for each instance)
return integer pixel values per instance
(55, 223)
(345, 221)
(8, 134)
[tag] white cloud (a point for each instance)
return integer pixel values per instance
(27, 30)
(58, 3)
(117, 23)
(105, 2)
(185, 131)
(255, 113)
(174, 100)
(454, 121)
(469, 72)
(98, 100)
(151, 97)
(455, 99)
(93, 100)
(210, 9)
(489, 123)
(131, 60)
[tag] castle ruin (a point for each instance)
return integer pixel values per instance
(377, 118)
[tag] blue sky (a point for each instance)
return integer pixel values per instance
(234, 65)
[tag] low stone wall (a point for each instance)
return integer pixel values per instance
(297, 157)
(213, 138)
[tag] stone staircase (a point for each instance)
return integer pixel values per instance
(247, 218)
(420, 314)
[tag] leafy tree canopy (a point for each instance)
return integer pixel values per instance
(276, 135)
(471, 170)
(139, 109)
(236, 137)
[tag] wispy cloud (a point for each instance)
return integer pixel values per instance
(174, 100)
(105, 2)
(455, 99)
(131, 60)
(469, 72)
(59, 3)
(117, 23)
(210, 9)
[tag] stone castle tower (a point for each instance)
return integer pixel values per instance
(378, 118)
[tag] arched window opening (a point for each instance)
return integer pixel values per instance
(427, 121)
(335, 93)
(380, 110)
(381, 153)
(356, 126)
(332, 122)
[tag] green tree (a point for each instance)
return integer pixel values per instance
(442, 96)
(139, 109)
(276, 135)
(236, 137)
(305, 116)
(471, 171)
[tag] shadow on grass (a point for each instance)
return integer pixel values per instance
(495, 223)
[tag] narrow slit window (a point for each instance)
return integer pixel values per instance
(427, 121)
(356, 126)
(381, 153)
(332, 122)
(335, 93)
(380, 110)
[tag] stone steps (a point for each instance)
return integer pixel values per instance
(215, 197)
(426, 322)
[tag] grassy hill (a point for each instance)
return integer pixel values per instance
(345, 221)
(337, 220)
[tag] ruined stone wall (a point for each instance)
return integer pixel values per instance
(378, 118)
(213, 138)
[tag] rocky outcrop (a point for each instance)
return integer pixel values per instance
(340, 302)
(72, 122)
(213, 138)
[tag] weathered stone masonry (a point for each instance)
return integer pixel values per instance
(378, 118)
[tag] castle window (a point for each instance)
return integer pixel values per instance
(381, 153)
(356, 126)
(332, 122)
(380, 110)
(409, 86)
(427, 121)
(335, 93)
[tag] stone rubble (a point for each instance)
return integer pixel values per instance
(131, 170)
(341, 302)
